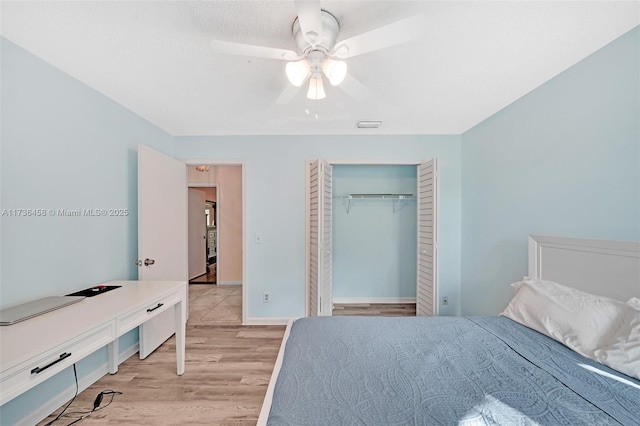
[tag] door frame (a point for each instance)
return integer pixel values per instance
(342, 162)
(243, 172)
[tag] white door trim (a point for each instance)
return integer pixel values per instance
(245, 236)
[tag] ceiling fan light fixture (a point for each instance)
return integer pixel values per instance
(335, 71)
(316, 89)
(297, 72)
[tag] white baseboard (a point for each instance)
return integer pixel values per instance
(48, 407)
(357, 300)
(229, 283)
(268, 321)
(129, 352)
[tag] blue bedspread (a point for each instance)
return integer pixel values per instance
(442, 371)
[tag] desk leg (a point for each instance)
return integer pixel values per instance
(112, 348)
(180, 335)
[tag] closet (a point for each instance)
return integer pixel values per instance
(371, 235)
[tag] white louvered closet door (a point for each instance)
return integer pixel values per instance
(313, 281)
(427, 275)
(319, 280)
(326, 301)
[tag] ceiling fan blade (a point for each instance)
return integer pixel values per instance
(354, 88)
(288, 94)
(310, 18)
(232, 48)
(399, 32)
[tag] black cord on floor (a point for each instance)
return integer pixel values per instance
(84, 414)
(75, 373)
(96, 406)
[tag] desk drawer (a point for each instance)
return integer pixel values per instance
(24, 376)
(137, 316)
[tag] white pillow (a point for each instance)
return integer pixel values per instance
(634, 302)
(622, 350)
(579, 320)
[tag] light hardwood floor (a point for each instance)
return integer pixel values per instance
(228, 367)
(376, 309)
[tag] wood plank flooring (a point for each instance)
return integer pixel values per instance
(376, 309)
(228, 367)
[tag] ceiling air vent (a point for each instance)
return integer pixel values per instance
(368, 124)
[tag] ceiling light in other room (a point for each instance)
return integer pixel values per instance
(335, 71)
(316, 89)
(368, 124)
(297, 72)
(202, 168)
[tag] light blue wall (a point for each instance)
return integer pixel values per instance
(563, 160)
(374, 244)
(276, 206)
(64, 145)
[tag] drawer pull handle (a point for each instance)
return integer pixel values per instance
(153, 309)
(41, 369)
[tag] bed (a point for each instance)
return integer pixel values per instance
(460, 370)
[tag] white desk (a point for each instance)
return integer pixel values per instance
(38, 348)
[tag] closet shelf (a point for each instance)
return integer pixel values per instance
(377, 196)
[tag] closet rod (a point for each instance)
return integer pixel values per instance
(398, 196)
(380, 196)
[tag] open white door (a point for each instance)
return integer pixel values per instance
(427, 275)
(197, 233)
(162, 234)
(319, 263)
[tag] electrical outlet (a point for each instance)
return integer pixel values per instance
(445, 300)
(266, 297)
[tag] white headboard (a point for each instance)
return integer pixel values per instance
(603, 267)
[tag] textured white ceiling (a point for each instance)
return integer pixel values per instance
(154, 58)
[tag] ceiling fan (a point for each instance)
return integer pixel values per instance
(316, 32)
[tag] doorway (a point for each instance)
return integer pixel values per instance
(320, 234)
(374, 237)
(162, 235)
(220, 243)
